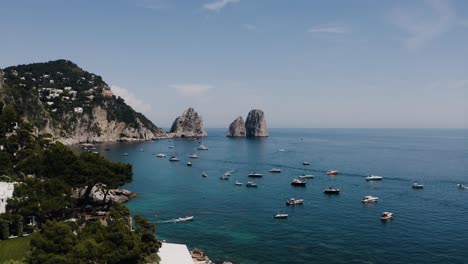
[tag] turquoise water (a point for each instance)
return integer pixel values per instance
(236, 223)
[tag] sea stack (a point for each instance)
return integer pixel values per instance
(189, 124)
(237, 128)
(255, 125)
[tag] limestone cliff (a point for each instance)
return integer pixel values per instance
(237, 128)
(189, 124)
(71, 104)
(255, 124)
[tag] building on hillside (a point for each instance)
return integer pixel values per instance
(174, 253)
(6, 191)
(78, 110)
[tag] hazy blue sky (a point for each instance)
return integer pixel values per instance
(305, 63)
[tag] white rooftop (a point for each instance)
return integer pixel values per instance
(174, 254)
(6, 191)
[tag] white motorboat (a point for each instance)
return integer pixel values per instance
(374, 178)
(332, 172)
(251, 184)
(281, 150)
(193, 156)
(189, 164)
(225, 178)
(386, 216)
(185, 219)
(331, 190)
(255, 175)
(306, 176)
(297, 182)
(238, 183)
(280, 216)
(160, 155)
(417, 186)
(369, 199)
(275, 170)
(294, 201)
(461, 186)
(204, 174)
(174, 158)
(305, 163)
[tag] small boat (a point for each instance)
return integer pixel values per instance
(202, 147)
(160, 155)
(204, 174)
(294, 201)
(238, 183)
(305, 163)
(332, 172)
(227, 173)
(171, 147)
(189, 164)
(255, 175)
(224, 178)
(374, 178)
(142, 150)
(369, 199)
(297, 182)
(461, 186)
(418, 186)
(174, 158)
(386, 216)
(185, 219)
(281, 150)
(251, 184)
(331, 190)
(275, 170)
(306, 176)
(280, 216)
(193, 156)
(125, 154)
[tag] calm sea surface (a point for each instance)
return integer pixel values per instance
(236, 223)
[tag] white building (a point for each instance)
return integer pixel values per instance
(6, 191)
(78, 110)
(174, 254)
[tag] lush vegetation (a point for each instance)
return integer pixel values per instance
(14, 249)
(52, 197)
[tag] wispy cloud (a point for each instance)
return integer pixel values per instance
(191, 89)
(328, 29)
(136, 103)
(219, 4)
(249, 26)
(437, 19)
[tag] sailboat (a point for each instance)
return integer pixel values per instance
(202, 147)
(174, 157)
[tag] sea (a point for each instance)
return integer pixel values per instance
(236, 223)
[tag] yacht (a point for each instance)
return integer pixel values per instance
(189, 164)
(225, 178)
(202, 147)
(204, 174)
(306, 176)
(275, 170)
(369, 199)
(251, 184)
(305, 163)
(374, 178)
(255, 175)
(238, 183)
(193, 156)
(297, 182)
(331, 190)
(227, 173)
(174, 158)
(418, 186)
(160, 155)
(185, 219)
(280, 216)
(386, 216)
(294, 201)
(332, 172)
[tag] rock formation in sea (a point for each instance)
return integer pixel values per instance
(237, 128)
(255, 124)
(189, 124)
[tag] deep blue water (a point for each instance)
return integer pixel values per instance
(236, 223)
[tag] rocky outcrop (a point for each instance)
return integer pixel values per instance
(255, 124)
(189, 124)
(99, 192)
(237, 128)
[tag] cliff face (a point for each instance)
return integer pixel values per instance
(72, 105)
(189, 124)
(255, 125)
(237, 128)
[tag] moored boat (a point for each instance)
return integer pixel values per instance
(370, 199)
(204, 174)
(189, 164)
(225, 178)
(332, 172)
(238, 183)
(125, 154)
(280, 216)
(331, 190)
(374, 178)
(255, 175)
(386, 216)
(193, 156)
(297, 182)
(275, 170)
(306, 176)
(251, 184)
(160, 155)
(174, 158)
(305, 163)
(294, 201)
(417, 185)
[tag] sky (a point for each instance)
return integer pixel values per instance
(306, 64)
